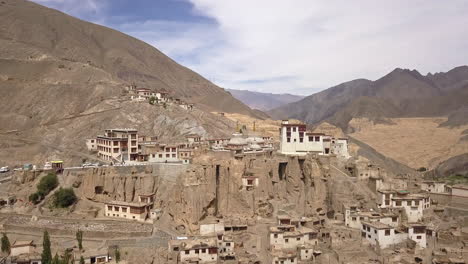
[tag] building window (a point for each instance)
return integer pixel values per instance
(301, 140)
(294, 129)
(288, 139)
(168, 155)
(124, 209)
(173, 155)
(275, 235)
(203, 250)
(416, 203)
(353, 218)
(394, 219)
(298, 239)
(160, 155)
(109, 207)
(418, 237)
(317, 139)
(387, 232)
(398, 203)
(286, 240)
(187, 252)
(228, 244)
(197, 251)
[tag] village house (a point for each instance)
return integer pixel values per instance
(413, 204)
(193, 139)
(284, 257)
(197, 250)
(91, 256)
(24, 252)
(164, 153)
(290, 237)
(380, 234)
(249, 182)
(118, 145)
(22, 247)
(91, 144)
(459, 190)
(127, 210)
(417, 233)
(354, 217)
(296, 140)
(217, 143)
(433, 187)
(225, 247)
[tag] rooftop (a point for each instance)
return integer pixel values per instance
(22, 243)
(377, 225)
(120, 203)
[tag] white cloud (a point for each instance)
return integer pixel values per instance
(303, 46)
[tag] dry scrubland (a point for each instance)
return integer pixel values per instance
(416, 142)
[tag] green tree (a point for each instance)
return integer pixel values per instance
(47, 184)
(64, 197)
(82, 260)
(79, 238)
(46, 256)
(35, 198)
(5, 244)
(153, 100)
(117, 255)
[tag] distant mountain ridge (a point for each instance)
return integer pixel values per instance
(263, 101)
(401, 93)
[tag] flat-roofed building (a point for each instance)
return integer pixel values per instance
(381, 235)
(126, 210)
(459, 190)
(197, 250)
(433, 187)
(118, 145)
(22, 247)
(290, 237)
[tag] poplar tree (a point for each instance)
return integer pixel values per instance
(46, 257)
(5, 244)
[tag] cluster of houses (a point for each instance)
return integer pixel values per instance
(157, 97)
(457, 190)
(27, 252)
(295, 239)
(296, 140)
(125, 145)
(213, 244)
(242, 144)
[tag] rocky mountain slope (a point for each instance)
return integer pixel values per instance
(401, 93)
(263, 101)
(63, 80)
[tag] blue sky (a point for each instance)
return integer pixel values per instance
(299, 46)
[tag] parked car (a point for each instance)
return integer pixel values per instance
(4, 169)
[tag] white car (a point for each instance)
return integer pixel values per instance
(4, 169)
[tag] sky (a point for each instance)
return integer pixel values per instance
(294, 46)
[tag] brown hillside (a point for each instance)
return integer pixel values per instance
(63, 80)
(401, 93)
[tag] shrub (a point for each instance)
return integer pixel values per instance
(47, 184)
(35, 198)
(64, 197)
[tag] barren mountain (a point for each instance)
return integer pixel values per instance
(401, 93)
(264, 101)
(63, 80)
